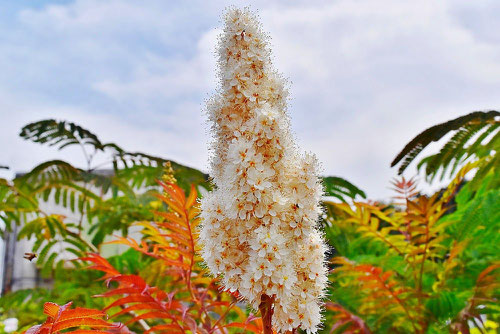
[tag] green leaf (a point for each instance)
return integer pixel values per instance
(341, 188)
(467, 126)
(60, 134)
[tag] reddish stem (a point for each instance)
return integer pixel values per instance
(266, 311)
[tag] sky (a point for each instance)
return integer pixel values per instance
(366, 76)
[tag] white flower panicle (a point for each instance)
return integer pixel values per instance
(259, 224)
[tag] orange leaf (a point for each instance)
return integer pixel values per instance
(171, 217)
(488, 270)
(51, 309)
(62, 317)
(81, 313)
(181, 239)
(246, 326)
(168, 327)
(174, 227)
(119, 291)
(152, 315)
(173, 205)
(130, 299)
(88, 331)
(191, 198)
(134, 280)
(177, 193)
(141, 306)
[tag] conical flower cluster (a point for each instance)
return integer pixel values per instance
(259, 224)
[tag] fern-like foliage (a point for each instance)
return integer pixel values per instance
(486, 292)
(459, 148)
(172, 293)
(373, 223)
(383, 295)
(172, 238)
(15, 203)
(55, 237)
(135, 168)
(135, 295)
(60, 134)
(405, 189)
(193, 302)
(62, 318)
(345, 321)
(101, 201)
(412, 267)
(55, 241)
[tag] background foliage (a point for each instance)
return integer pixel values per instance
(420, 264)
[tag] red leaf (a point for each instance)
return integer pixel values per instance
(130, 299)
(141, 306)
(51, 309)
(134, 280)
(152, 315)
(119, 291)
(169, 327)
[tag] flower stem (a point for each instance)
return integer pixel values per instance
(266, 311)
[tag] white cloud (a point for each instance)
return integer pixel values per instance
(168, 77)
(366, 76)
(22, 155)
